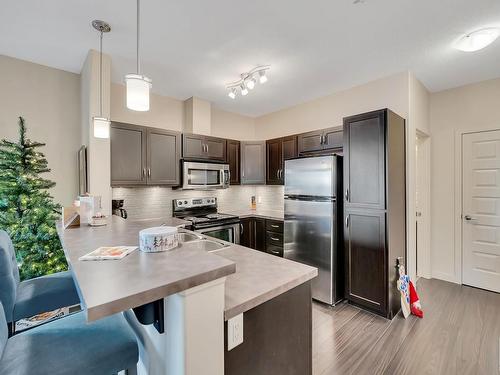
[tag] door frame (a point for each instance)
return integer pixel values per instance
(423, 258)
(458, 195)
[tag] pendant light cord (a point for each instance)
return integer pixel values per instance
(138, 28)
(100, 76)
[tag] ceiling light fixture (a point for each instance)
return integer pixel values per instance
(244, 90)
(477, 40)
(262, 76)
(101, 123)
(247, 81)
(138, 85)
(250, 83)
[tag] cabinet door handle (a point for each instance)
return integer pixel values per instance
(274, 238)
(347, 195)
(241, 229)
(347, 221)
(143, 172)
(149, 172)
(278, 174)
(275, 226)
(275, 252)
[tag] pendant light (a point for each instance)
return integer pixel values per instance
(101, 123)
(138, 85)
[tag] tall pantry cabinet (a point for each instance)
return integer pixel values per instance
(374, 209)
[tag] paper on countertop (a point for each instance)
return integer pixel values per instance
(109, 253)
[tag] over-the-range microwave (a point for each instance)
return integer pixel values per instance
(204, 176)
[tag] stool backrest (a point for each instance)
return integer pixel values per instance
(3, 331)
(9, 275)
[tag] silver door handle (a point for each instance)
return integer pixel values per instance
(274, 238)
(347, 195)
(241, 229)
(143, 172)
(274, 226)
(149, 172)
(278, 174)
(469, 218)
(347, 221)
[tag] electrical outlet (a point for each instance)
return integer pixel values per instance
(234, 331)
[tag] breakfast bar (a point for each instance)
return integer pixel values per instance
(202, 285)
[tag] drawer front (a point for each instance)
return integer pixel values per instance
(274, 239)
(274, 226)
(274, 250)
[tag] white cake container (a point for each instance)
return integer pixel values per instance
(156, 239)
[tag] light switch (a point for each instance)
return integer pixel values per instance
(234, 331)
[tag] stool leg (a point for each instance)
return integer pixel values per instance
(11, 328)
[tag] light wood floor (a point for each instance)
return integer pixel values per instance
(459, 334)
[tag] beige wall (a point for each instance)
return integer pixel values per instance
(231, 125)
(49, 100)
(165, 112)
(390, 92)
(471, 107)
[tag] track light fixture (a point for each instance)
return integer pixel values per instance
(247, 81)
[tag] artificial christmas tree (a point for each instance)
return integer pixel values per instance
(27, 210)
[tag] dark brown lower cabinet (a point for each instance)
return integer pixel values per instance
(365, 247)
(253, 233)
(277, 337)
(262, 234)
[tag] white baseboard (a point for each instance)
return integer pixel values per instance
(446, 277)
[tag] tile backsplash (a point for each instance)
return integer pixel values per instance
(155, 202)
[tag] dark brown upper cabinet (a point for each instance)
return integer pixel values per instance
(203, 147)
(253, 163)
(277, 151)
(164, 153)
(320, 141)
(233, 159)
(364, 157)
(144, 156)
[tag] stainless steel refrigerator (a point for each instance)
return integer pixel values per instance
(313, 221)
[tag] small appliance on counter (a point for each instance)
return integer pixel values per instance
(118, 210)
(204, 218)
(90, 207)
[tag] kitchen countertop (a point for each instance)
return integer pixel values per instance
(110, 286)
(265, 214)
(259, 278)
(252, 277)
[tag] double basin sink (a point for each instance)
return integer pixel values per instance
(197, 241)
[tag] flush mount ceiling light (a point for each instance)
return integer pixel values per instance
(247, 81)
(101, 123)
(477, 40)
(138, 85)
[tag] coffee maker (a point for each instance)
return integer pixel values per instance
(118, 210)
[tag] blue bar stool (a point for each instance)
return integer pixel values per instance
(70, 346)
(23, 299)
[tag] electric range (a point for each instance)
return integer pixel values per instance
(204, 218)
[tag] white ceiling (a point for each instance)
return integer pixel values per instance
(314, 47)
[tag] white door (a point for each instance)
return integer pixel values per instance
(481, 210)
